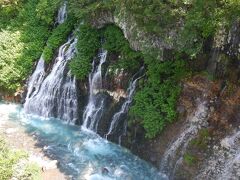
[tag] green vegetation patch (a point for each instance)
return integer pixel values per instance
(189, 159)
(31, 172)
(89, 42)
(9, 160)
(57, 38)
(201, 141)
(155, 102)
(24, 30)
(115, 42)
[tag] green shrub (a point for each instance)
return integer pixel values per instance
(155, 102)
(87, 10)
(32, 172)
(189, 159)
(115, 42)
(201, 141)
(23, 37)
(57, 38)
(8, 159)
(87, 47)
(46, 10)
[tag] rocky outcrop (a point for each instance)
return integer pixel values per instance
(139, 39)
(225, 54)
(229, 41)
(13, 97)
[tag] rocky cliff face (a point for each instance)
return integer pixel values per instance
(225, 53)
(193, 152)
(138, 39)
(207, 128)
(220, 56)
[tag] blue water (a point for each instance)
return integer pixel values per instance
(81, 153)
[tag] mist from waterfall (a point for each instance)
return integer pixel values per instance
(94, 108)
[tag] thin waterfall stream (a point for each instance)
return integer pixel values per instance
(62, 13)
(125, 107)
(173, 156)
(95, 105)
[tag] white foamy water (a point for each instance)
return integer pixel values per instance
(56, 94)
(125, 108)
(94, 109)
(81, 154)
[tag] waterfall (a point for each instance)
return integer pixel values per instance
(35, 80)
(54, 95)
(173, 156)
(94, 108)
(57, 96)
(62, 13)
(124, 109)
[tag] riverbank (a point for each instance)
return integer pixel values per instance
(17, 139)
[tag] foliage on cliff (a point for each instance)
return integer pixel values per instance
(24, 29)
(27, 29)
(155, 102)
(191, 21)
(115, 42)
(57, 37)
(87, 46)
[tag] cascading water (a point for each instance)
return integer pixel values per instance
(80, 154)
(62, 13)
(57, 96)
(173, 156)
(124, 109)
(35, 80)
(54, 95)
(94, 108)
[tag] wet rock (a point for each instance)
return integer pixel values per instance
(105, 170)
(153, 158)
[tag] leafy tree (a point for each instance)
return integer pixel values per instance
(23, 36)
